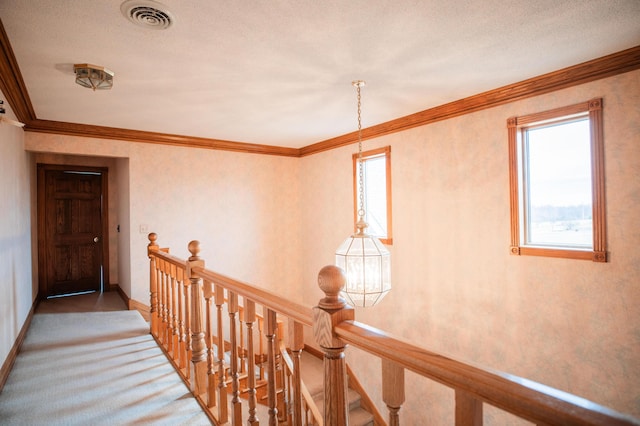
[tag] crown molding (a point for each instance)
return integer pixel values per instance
(606, 66)
(11, 82)
(13, 87)
(74, 129)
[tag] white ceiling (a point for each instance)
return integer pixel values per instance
(280, 72)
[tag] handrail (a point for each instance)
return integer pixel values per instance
(525, 398)
(187, 300)
(265, 298)
(174, 260)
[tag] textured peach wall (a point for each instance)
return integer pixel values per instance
(574, 325)
(242, 208)
(17, 291)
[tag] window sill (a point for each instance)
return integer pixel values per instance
(562, 253)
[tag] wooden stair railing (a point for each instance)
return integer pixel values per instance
(206, 324)
(473, 386)
(187, 300)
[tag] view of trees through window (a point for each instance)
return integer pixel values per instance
(558, 184)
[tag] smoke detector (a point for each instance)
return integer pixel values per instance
(147, 13)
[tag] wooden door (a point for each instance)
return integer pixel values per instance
(71, 215)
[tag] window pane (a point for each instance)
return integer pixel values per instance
(558, 185)
(375, 196)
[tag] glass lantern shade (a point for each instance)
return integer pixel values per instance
(367, 265)
(93, 76)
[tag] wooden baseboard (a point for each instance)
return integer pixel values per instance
(144, 310)
(13, 353)
(314, 351)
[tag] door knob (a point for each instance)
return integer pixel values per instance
(96, 239)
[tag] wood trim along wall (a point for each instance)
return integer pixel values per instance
(14, 89)
(13, 353)
(144, 310)
(606, 66)
(74, 129)
(11, 82)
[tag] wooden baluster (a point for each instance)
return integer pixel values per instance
(187, 327)
(166, 285)
(163, 298)
(331, 311)
(242, 352)
(182, 341)
(223, 408)
(261, 347)
(270, 328)
(232, 307)
(169, 295)
(392, 389)
(211, 372)
(288, 384)
(198, 346)
(167, 305)
(282, 401)
(160, 277)
(250, 318)
(159, 288)
(468, 409)
(152, 247)
(163, 301)
(175, 345)
(296, 343)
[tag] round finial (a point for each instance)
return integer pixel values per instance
(331, 279)
(153, 237)
(194, 249)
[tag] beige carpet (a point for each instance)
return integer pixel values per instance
(97, 368)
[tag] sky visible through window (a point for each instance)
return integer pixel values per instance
(375, 196)
(559, 184)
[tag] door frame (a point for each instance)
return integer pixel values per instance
(42, 168)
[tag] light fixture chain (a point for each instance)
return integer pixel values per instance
(361, 211)
(362, 257)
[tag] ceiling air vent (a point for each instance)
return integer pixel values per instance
(147, 13)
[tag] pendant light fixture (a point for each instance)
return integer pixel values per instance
(365, 260)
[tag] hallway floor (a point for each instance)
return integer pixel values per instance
(88, 360)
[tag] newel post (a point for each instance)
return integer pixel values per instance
(153, 283)
(331, 311)
(198, 345)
